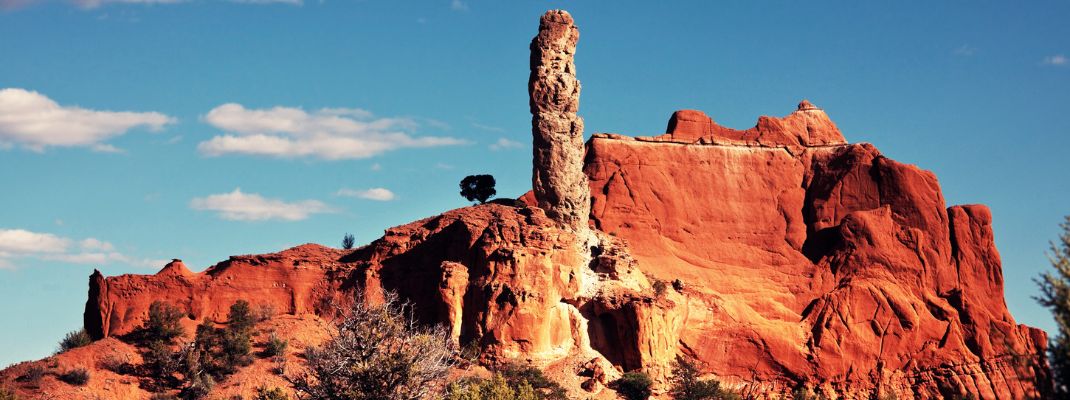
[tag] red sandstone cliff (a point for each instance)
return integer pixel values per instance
(824, 265)
(801, 260)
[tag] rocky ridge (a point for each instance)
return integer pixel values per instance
(780, 256)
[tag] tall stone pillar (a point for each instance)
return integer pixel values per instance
(558, 180)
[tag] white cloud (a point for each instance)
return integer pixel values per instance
(376, 167)
(20, 241)
(377, 194)
(97, 3)
(458, 5)
(329, 133)
(22, 244)
(505, 144)
(238, 206)
(36, 122)
(1056, 60)
(92, 244)
(90, 4)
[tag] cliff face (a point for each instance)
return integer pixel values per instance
(780, 256)
(807, 259)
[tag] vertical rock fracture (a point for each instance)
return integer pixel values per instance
(560, 186)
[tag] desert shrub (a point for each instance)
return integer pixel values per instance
(496, 388)
(77, 377)
(240, 318)
(377, 352)
(163, 396)
(74, 340)
(348, 241)
(32, 375)
(220, 351)
(7, 394)
(275, 347)
(802, 393)
(686, 384)
(659, 287)
(160, 362)
(1055, 295)
(271, 394)
(163, 323)
(678, 285)
(478, 188)
(117, 363)
(635, 385)
(546, 389)
(198, 386)
(264, 312)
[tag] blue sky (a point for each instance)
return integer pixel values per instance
(204, 129)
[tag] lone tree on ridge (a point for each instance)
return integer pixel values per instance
(478, 188)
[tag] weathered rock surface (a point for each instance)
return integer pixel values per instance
(815, 263)
(557, 177)
(780, 256)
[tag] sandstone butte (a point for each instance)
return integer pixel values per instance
(780, 256)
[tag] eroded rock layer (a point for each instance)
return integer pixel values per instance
(809, 261)
(557, 176)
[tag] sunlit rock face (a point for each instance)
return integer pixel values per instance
(810, 261)
(780, 256)
(557, 174)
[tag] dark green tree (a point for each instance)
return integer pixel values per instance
(686, 384)
(635, 385)
(348, 241)
(1055, 295)
(478, 188)
(163, 323)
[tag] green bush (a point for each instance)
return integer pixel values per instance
(635, 385)
(275, 347)
(271, 394)
(686, 384)
(240, 318)
(496, 388)
(74, 340)
(547, 389)
(163, 323)
(77, 377)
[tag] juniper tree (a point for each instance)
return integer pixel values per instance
(1055, 295)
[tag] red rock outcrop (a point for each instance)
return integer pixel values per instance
(815, 263)
(795, 260)
(554, 95)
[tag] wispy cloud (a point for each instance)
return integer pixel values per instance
(36, 122)
(97, 3)
(458, 5)
(18, 244)
(290, 2)
(239, 206)
(505, 144)
(329, 133)
(94, 4)
(377, 194)
(488, 128)
(1057, 60)
(964, 50)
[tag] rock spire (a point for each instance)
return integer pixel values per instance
(560, 186)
